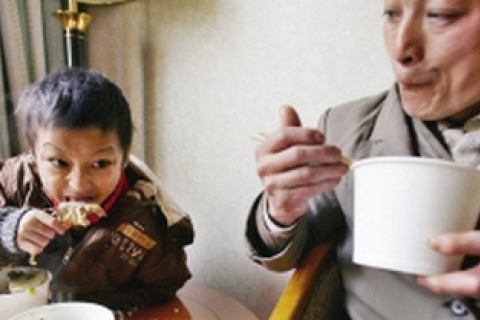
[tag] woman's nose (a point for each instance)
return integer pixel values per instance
(409, 43)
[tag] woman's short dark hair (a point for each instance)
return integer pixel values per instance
(76, 98)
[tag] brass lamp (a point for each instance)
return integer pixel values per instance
(75, 25)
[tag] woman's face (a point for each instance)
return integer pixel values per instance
(78, 164)
(434, 46)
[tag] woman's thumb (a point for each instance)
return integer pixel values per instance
(289, 117)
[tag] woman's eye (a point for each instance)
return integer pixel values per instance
(441, 16)
(102, 164)
(392, 15)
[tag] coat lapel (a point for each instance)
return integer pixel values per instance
(391, 135)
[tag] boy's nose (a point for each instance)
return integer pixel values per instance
(80, 181)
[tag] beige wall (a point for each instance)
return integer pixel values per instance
(204, 75)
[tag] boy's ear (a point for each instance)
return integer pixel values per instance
(126, 159)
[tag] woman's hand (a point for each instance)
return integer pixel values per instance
(36, 229)
(294, 165)
(465, 283)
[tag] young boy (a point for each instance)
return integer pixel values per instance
(79, 131)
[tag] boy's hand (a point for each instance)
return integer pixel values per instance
(36, 229)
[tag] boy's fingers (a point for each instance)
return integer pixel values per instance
(289, 117)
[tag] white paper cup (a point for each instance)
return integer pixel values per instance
(13, 303)
(401, 202)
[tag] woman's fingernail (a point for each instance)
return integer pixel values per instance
(433, 241)
(318, 137)
(438, 241)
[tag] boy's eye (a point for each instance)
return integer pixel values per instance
(102, 164)
(58, 163)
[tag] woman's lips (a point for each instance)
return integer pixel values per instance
(416, 79)
(414, 85)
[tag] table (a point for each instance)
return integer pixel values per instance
(196, 302)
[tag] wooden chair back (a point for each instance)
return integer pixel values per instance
(315, 290)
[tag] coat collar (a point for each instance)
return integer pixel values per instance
(397, 134)
(390, 135)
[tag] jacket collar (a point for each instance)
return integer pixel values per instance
(154, 189)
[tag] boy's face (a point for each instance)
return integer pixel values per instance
(78, 164)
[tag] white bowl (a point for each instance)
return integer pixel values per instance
(13, 303)
(67, 310)
(401, 202)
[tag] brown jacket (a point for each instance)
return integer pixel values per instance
(134, 256)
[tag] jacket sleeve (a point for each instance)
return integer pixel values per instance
(322, 221)
(9, 218)
(275, 251)
(11, 210)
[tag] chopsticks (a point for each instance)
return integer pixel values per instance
(347, 160)
(259, 136)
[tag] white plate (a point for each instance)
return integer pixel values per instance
(67, 310)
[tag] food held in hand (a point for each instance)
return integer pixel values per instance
(79, 213)
(76, 213)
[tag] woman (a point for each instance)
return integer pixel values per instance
(434, 47)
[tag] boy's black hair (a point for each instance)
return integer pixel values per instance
(76, 98)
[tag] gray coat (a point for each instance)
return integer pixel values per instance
(374, 126)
